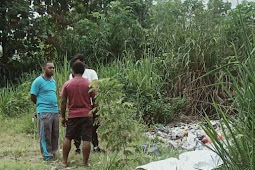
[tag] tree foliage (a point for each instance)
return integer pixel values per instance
(15, 35)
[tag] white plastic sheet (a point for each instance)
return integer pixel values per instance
(193, 160)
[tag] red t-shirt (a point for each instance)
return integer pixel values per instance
(77, 92)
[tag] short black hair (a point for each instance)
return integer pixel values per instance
(78, 67)
(81, 57)
(46, 62)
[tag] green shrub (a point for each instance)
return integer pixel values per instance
(118, 126)
(163, 110)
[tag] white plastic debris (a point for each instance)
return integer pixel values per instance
(192, 160)
(190, 142)
(170, 163)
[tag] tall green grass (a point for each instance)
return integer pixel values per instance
(144, 86)
(238, 149)
(192, 41)
(15, 101)
(62, 72)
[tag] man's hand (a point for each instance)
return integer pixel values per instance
(63, 121)
(35, 114)
(63, 110)
(33, 98)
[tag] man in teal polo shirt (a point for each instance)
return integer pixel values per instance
(43, 94)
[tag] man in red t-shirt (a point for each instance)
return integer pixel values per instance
(80, 120)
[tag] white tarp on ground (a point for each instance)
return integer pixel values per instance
(193, 160)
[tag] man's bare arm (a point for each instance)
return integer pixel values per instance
(33, 98)
(63, 111)
(63, 107)
(93, 95)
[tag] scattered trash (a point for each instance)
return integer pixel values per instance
(190, 137)
(184, 136)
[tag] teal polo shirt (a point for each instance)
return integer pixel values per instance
(46, 96)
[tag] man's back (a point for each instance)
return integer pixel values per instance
(77, 92)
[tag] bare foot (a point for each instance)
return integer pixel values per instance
(64, 164)
(85, 165)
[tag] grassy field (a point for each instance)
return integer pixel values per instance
(20, 150)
